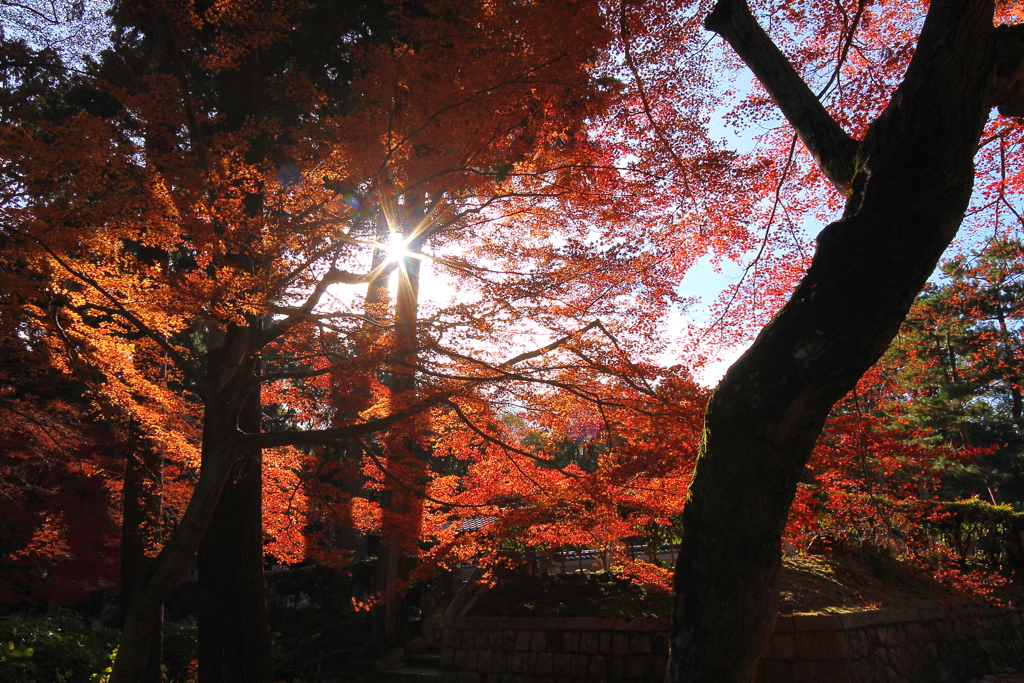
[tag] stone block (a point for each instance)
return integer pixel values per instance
(580, 664)
(783, 645)
(852, 620)
(500, 661)
(589, 623)
(468, 640)
(805, 672)
(855, 644)
(888, 635)
(783, 624)
(545, 663)
(563, 663)
(620, 643)
(447, 657)
(480, 642)
(636, 666)
(815, 645)
(448, 677)
(605, 644)
(530, 663)
(495, 641)
(656, 667)
(509, 640)
(460, 659)
(642, 624)
(816, 622)
(514, 662)
(915, 632)
(597, 671)
(831, 672)
(590, 642)
(778, 672)
(469, 677)
(902, 660)
(660, 643)
(472, 660)
(617, 668)
(640, 642)
(539, 641)
(571, 641)
(885, 616)
(523, 641)
(450, 638)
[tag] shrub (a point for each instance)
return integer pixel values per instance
(53, 648)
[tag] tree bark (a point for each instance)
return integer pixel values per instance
(141, 514)
(146, 600)
(912, 181)
(402, 510)
(234, 633)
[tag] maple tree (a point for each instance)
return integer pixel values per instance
(239, 166)
(236, 240)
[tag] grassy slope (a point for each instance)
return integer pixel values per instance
(809, 584)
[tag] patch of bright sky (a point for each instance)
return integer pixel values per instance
(705, 281)
(76, 29)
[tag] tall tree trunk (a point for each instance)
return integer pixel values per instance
(402, 509)
(142, 508)
(146, 600)
(234, 634)
(911, 179)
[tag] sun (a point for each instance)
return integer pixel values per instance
(396, 247)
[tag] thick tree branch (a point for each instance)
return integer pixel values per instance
(332, 277)
(834, 150)
(320, 437)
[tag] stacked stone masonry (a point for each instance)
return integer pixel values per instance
(879, 646)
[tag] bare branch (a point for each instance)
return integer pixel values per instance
(320, 437)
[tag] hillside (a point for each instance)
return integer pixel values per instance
(809, 584)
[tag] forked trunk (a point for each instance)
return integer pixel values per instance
(911, 183)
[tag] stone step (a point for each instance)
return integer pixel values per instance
(412, 674)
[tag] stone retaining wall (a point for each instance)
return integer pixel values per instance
(879, 646)
(893, 646)
(532, 650)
